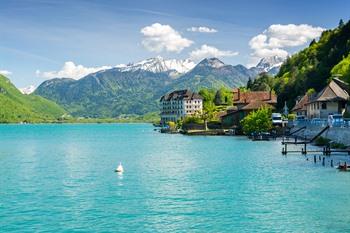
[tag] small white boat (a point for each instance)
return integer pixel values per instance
(120, 168)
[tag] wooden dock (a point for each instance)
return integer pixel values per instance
(327, 150)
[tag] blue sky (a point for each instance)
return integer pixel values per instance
(37, 36)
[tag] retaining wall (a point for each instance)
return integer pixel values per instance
(337, 134)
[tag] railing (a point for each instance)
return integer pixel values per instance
(341, 123)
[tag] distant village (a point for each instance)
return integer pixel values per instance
(325, 107)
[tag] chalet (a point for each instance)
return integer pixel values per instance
(300, 108)
(244, 103)
(331, 100)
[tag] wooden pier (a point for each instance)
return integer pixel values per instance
(325, 151)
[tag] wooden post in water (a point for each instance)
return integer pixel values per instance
(331, 162)
(323, 161)
(314, 158)
(284, 150)
(304, 151)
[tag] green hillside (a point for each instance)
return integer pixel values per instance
(314, 66)
(16, 107)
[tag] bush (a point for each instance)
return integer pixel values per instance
(192, 119)
(172, 125)
(257, 121)
(337, 145)
(292, 117)
(321, 141)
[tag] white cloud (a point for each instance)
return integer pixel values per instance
(158, 38)
(5, 72)
(202, 29)
(275, 39)
(71, 70)
(206, 51)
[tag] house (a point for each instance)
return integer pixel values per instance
(300, 108)
(246, 102)
(331, 100)
(179, 104)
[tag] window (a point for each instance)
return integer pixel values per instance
(324, 105)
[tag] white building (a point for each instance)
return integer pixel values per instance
(179, 104)
(332, 99)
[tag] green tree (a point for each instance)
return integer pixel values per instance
(208, 114)
(208, 96)
(311, 91)
(257, 121)
(264, 82)
(343, 69)
(223, 96)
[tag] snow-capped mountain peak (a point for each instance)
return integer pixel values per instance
(212, 62)
(159, 64)
(268, 63)
(27, 90)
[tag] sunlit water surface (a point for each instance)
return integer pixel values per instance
(61, 178)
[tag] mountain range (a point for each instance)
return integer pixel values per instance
(136, 88)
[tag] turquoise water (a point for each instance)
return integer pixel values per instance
(61, 178)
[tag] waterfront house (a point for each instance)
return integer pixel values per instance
(246, 102)
(300, 108)
(331, 100)
(179, 104)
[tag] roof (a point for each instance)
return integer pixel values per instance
(336, 90)
(254, 105)
(181, 95)
(250, 96)
(301, 104)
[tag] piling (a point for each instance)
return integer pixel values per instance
(331, 162)
(323, 161)
(314, 158)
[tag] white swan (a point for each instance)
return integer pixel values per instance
(120, 168)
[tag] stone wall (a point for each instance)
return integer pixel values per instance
(337, 134)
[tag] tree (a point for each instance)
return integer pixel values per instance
(263, 82)
(257, 121)
(311, 91)
(342, 69)
(208, 96)
(341, 23)
(208, 114)
(223, 96)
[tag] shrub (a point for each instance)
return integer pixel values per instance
(292, 117)
(192, 119)
(257, 121)
(337, 145)
(321, 141)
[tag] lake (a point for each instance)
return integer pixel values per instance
(61, 178)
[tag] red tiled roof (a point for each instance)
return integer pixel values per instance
(254, 105)
(240, 97)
